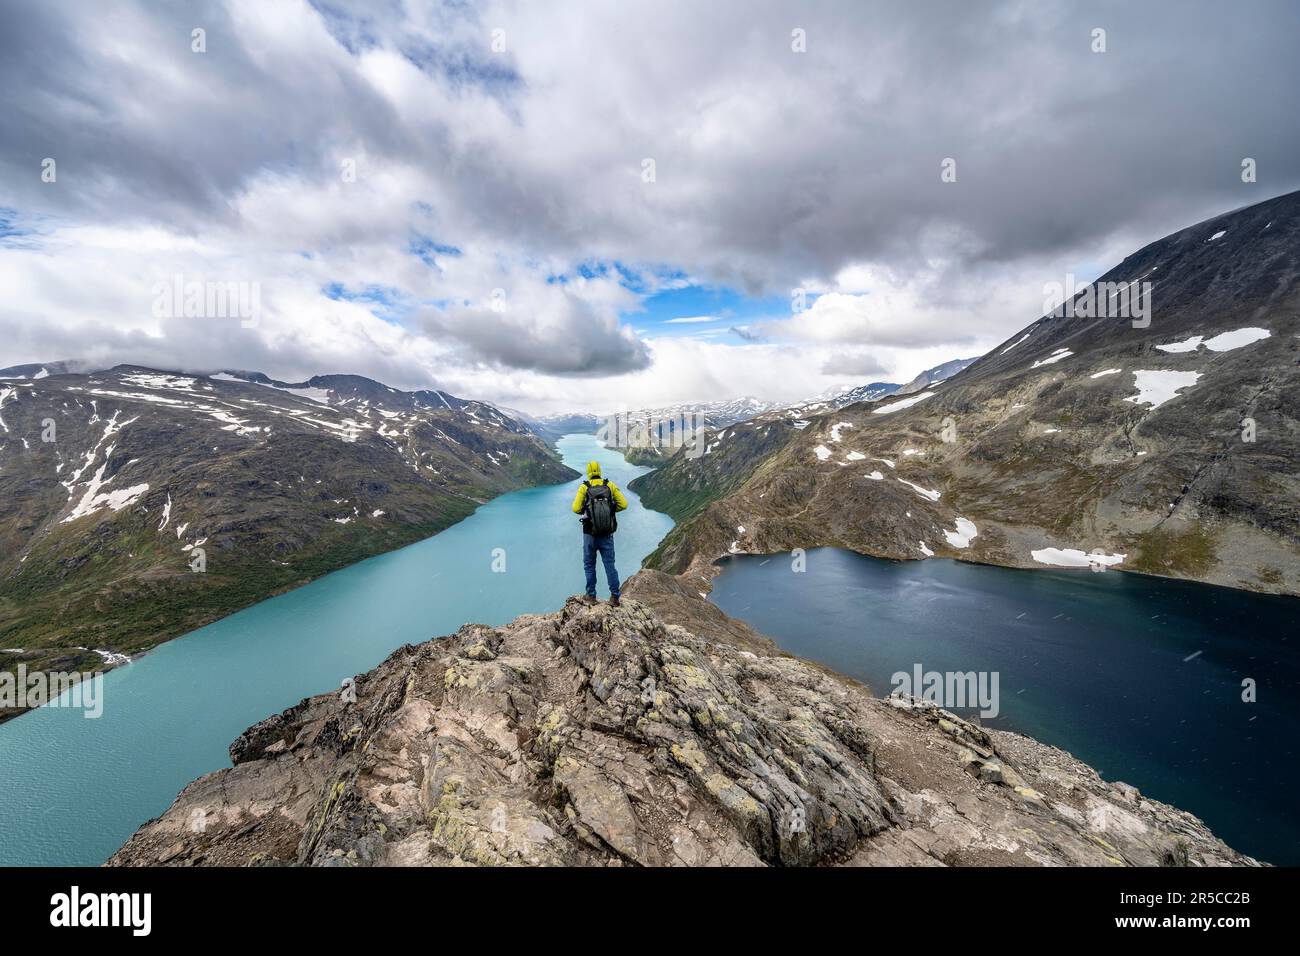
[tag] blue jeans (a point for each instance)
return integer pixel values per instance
(605, 545)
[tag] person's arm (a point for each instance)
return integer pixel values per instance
(580, 499)
(620, 502)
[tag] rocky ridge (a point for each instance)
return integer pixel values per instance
(598, 736)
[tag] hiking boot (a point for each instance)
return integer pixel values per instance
(587, 598)
(613, 600)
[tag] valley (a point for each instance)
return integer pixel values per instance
(136, 505)
(72, 789)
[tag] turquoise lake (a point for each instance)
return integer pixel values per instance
(72, 790)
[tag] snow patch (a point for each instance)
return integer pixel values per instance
(1223, 342)
(1014, 344)
(1074, 558)
(1227, 341)
(965, 533)
(1157, 386)
(905, 403)
(1187, 345)
(923, 492)
(145, 380)
(1054, 357)
(93, 501)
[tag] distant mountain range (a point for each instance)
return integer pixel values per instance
(714, 414)
(721, 414)
(112, 483)
(1167, 444)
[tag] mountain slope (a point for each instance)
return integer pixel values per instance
(275, 483)
(599, 736)
(1077, 435)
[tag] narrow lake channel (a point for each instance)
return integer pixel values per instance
(72, 790)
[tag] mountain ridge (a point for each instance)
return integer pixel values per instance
(1080, 441)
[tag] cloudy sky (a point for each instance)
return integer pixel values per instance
(591, 205)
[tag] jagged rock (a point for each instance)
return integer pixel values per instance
(605, 736)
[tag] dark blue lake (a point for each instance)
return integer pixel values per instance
(1140, 677)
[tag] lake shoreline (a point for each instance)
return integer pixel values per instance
(202, 621)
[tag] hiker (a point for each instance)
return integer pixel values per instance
(598, 500)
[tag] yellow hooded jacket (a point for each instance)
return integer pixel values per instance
(593, 476)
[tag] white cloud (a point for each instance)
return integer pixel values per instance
(773, 170)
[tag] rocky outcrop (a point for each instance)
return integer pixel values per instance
(605, 736)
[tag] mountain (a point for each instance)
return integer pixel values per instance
(874, 391)
(553, 427)
(1169, 445)
(111, 483)
(37, 370)
(718, 415)
(660, 733)
(714, 414)
(642, 452)
(864, 393)
(933, 376)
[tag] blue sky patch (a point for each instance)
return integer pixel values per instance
(704, 311)
(427, 250)
(386, 302)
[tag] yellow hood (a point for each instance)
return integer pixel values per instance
(593, 469)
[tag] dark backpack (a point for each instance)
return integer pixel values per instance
(600, 509)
